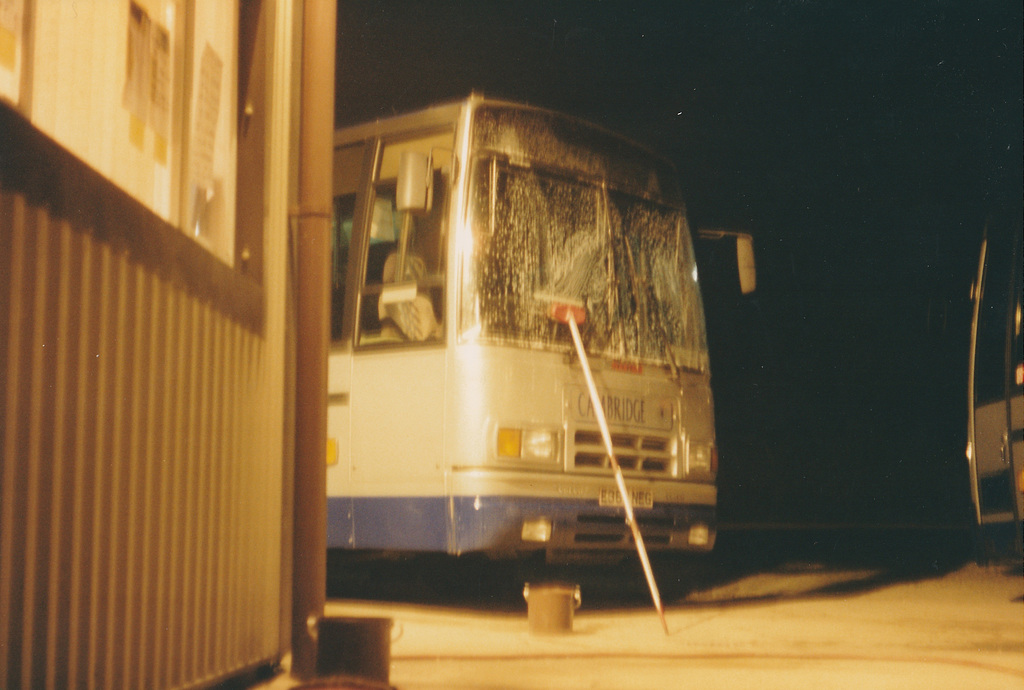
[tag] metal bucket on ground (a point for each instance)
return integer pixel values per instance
(550, 606)
(359, 647)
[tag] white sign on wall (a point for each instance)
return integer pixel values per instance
(143, 91)
(12, 13)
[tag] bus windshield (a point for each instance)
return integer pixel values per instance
(540, 234)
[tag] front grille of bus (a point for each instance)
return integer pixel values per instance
(643, 453)
(611, 530)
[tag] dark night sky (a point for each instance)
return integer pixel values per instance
(861, 143)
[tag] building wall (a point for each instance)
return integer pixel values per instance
(144, 439)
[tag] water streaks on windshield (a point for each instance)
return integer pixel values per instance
(574, 234)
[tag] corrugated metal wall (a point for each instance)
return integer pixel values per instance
(140, 490)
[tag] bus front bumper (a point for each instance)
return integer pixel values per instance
(510, 512)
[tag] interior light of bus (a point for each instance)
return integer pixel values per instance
(1020, 374)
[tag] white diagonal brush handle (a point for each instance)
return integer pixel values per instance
(619, 480)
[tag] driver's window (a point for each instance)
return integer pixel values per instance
(416, 314)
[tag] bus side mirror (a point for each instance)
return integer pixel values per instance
(745, 262)
(415, 182)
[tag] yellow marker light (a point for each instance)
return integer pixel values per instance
(510, 443)
(332, 452)
(534, 445)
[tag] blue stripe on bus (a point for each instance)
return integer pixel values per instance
(480, 523)
(407, 523)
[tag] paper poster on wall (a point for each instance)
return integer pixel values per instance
(12, 17)
(204, 136)
(147, 84)
(136, 83)
(160, 91)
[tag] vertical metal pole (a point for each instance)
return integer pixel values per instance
(309, 547)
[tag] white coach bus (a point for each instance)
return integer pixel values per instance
(458, 417)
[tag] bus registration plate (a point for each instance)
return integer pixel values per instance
(639, 498)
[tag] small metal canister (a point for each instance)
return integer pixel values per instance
(550, 606)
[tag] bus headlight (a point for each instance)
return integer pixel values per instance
(534, 445)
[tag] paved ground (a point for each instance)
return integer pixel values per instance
(803, 624)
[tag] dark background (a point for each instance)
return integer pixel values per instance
(862, 144)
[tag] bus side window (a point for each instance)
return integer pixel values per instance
(421, 317)
(383, 242)
(341, 240)
(348, 168)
